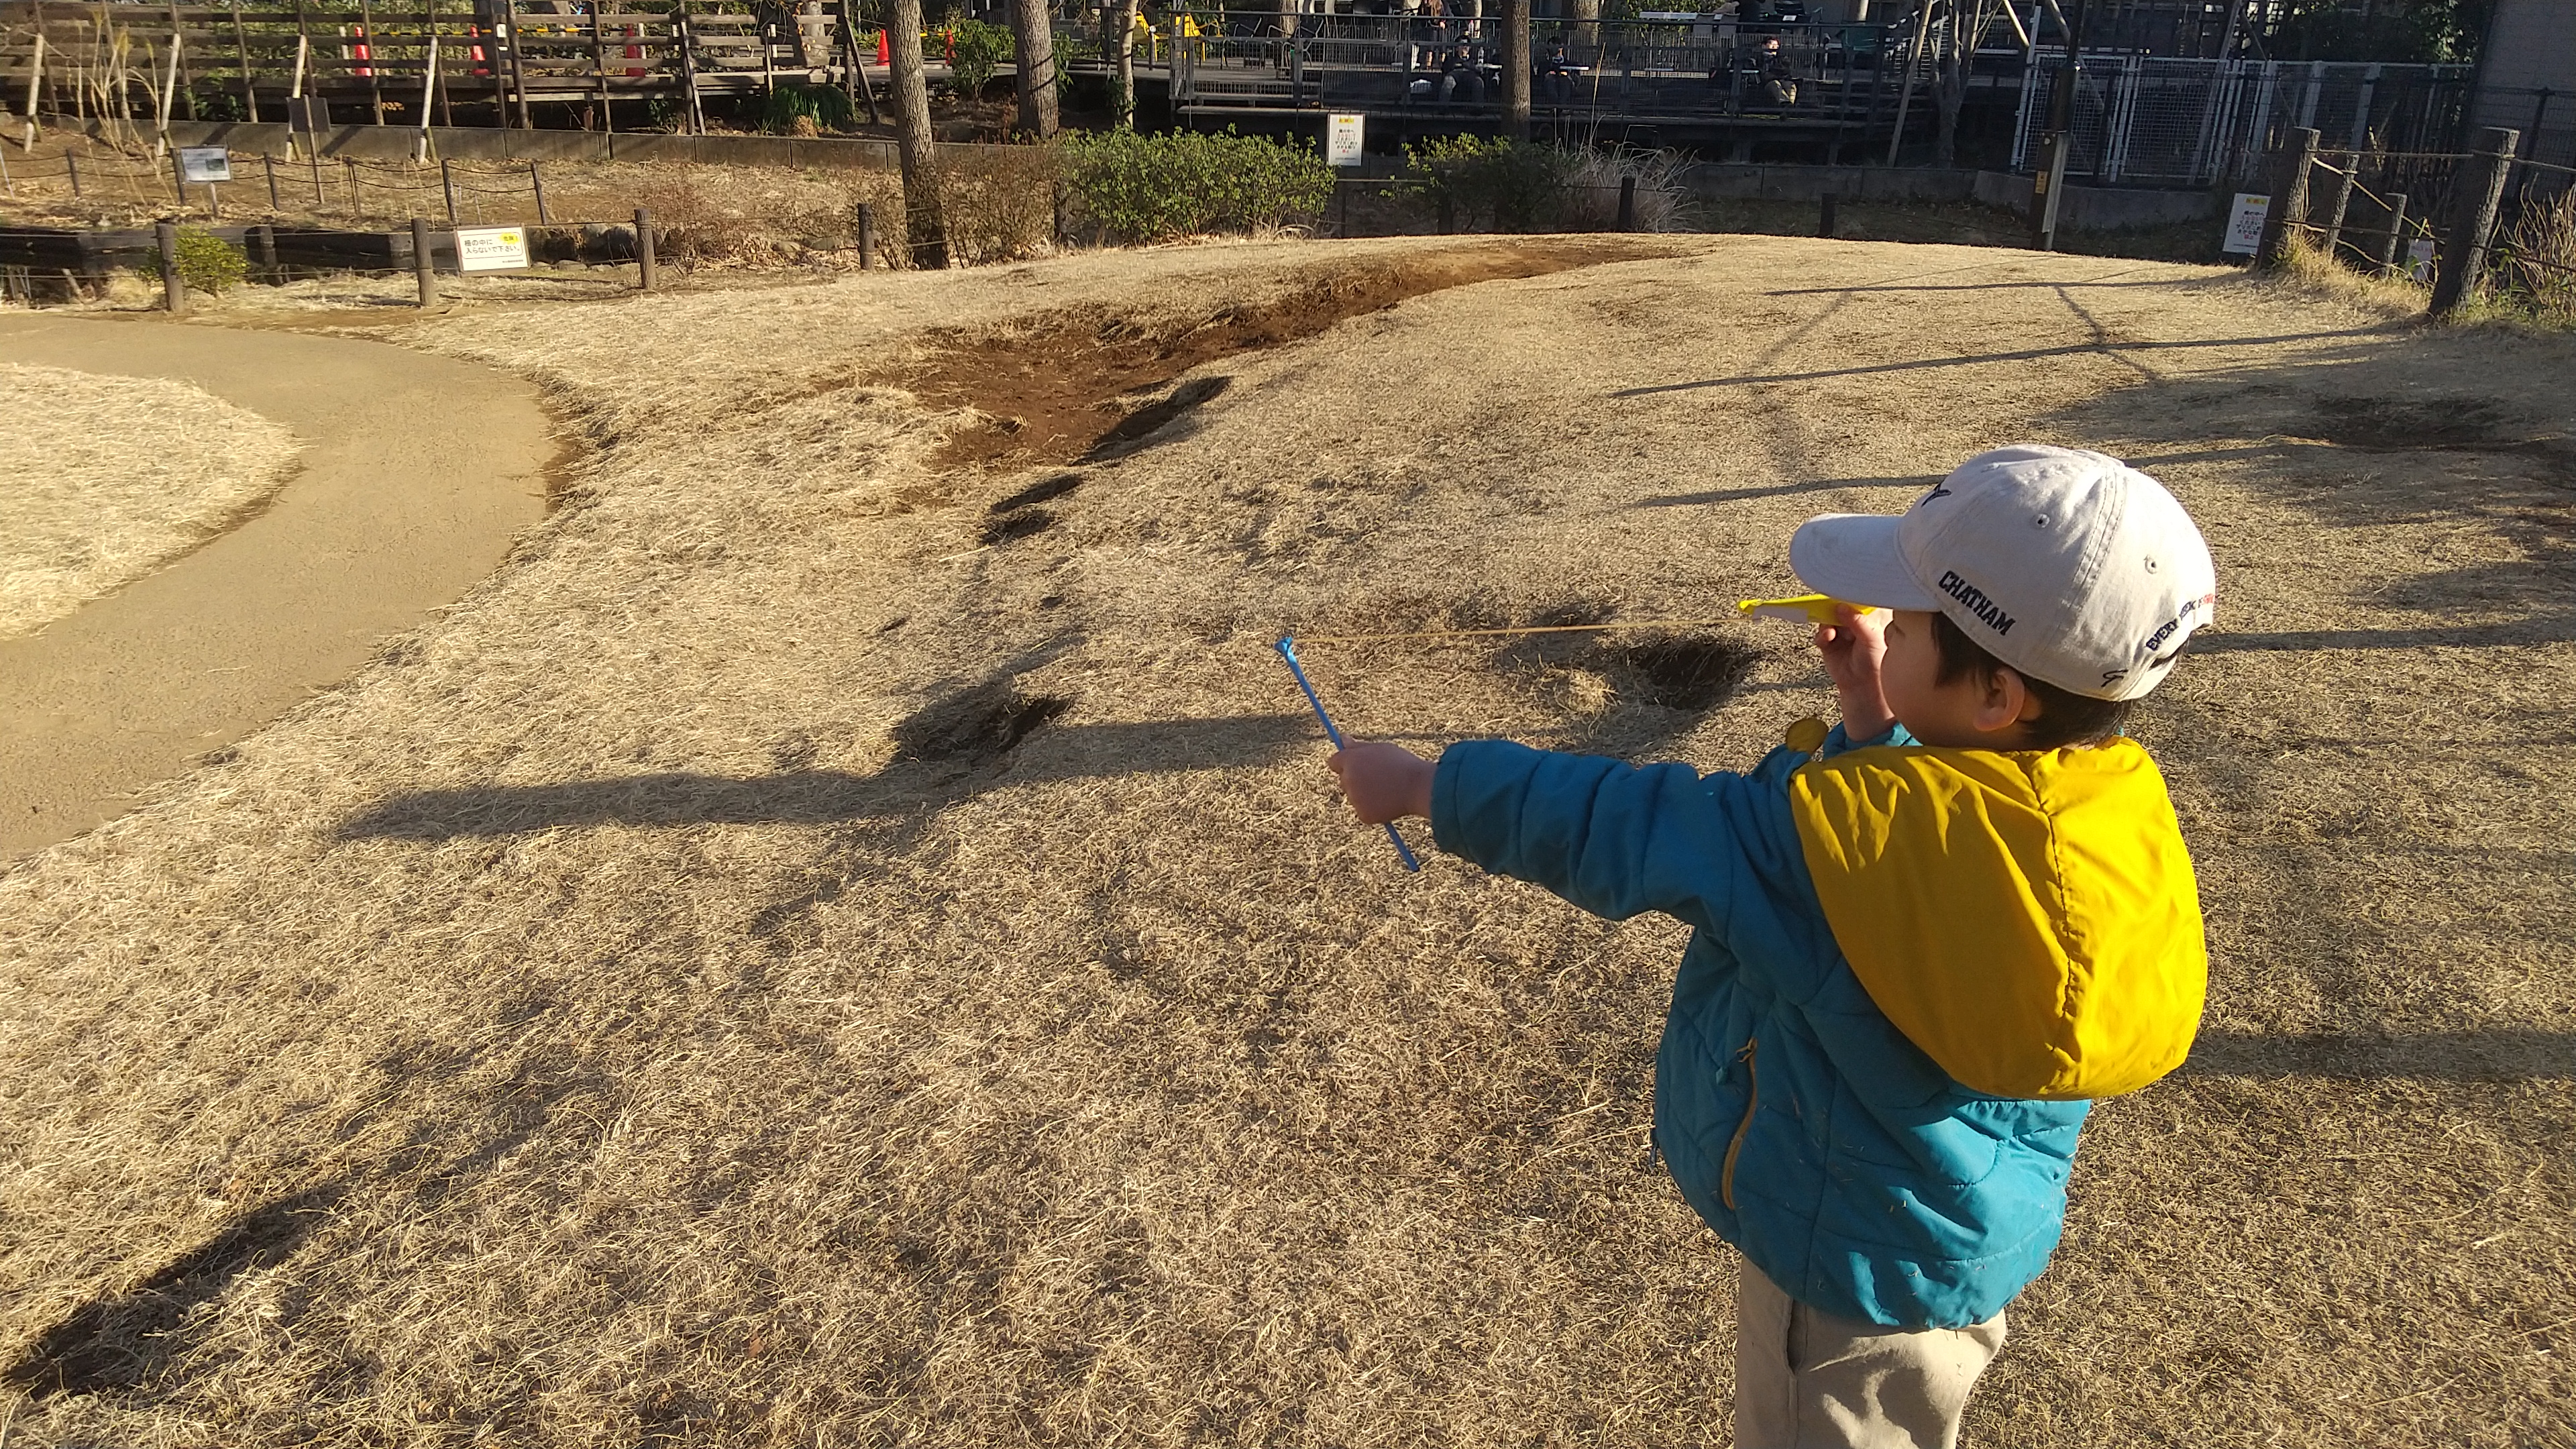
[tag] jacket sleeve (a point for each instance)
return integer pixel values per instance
(1612, 838)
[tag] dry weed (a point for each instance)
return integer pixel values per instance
(1000, 203)
(2306, 269)
(103, 479)
(2539, 259)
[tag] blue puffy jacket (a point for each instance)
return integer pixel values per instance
(1800, 1122)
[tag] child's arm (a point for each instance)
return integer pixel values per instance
(1610, 837)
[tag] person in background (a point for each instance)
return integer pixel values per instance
(1556, 73)
(1458, 73)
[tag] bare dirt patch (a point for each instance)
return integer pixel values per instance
(1055, 388)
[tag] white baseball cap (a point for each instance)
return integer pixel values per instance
(2070, 566)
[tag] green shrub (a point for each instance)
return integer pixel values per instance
(825, 108)
(208, 263)
(1135, 188)
(1514, 185)
(981, 49)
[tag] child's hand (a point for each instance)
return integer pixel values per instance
(1383, 782)
(1853, 648)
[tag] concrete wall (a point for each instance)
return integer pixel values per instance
(2102, 208)
(1811, 183)
(2085, 208)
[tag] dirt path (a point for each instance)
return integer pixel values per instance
(418, 472)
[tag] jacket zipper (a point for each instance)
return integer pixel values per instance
(1735, 1146)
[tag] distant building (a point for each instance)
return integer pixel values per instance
(2527, 76)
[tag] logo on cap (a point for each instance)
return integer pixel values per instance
(1974, 600)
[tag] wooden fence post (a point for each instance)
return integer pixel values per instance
(447, 185)
(174, 293)
(269, 163)
(644, 248)
(420, 262)
(2287, 214)
(74, 163)
(2338, 198)
(1826, 219)
(1627, 203)
(867, 236)
(2478, 192)
(2384, 251)
(263, 247)
(537, 183)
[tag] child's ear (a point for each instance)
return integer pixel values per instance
(2007, 702)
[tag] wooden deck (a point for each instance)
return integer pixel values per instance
(495, 59)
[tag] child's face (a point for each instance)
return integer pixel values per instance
(1977, 710)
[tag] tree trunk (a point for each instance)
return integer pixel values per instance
(1956, 58)
(1035, 83)
(923, 224)
(1516, 69)
(1127, 64)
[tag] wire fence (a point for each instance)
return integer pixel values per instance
(2147, 119)
(2416, 214)
(350, 187)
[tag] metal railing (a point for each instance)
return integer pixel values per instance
(1818, 75)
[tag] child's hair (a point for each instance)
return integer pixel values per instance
(2065, 717)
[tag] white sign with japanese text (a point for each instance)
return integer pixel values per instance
(490, 248)
(2245, 224)
(1342, 139)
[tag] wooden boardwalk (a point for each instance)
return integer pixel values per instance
(494, 60)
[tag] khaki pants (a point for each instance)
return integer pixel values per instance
(1806, 1379)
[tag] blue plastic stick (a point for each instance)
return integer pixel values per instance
(1287, 648)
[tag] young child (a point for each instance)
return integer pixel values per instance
(1921, 942)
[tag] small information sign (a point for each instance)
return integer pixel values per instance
(491, 248)
(1342, 139)
(205, 164)
(2245, 224)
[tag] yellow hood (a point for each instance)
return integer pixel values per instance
(2029, 920)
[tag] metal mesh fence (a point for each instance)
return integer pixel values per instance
(2189, 123)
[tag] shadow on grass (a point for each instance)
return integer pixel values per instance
(945, 760)
(1783, 490)
(2028, 354)
(2504, 1054)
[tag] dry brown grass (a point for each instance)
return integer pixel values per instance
(103, 479)
(772, 967)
